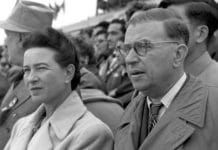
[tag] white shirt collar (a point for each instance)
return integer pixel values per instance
(169, 96)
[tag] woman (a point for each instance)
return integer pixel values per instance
(62, 122)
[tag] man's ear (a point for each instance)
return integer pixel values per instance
(70, 71)
(180, 55)
(201, 34)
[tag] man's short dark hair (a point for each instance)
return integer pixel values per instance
(103, 24)
(65, 50)
(135, 6)
(172, 22)
(121, 22)
(198, 11)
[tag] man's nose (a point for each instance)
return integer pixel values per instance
(131, 57)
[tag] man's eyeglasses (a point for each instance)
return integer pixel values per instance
(140, 47)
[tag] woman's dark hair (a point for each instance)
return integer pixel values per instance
(65, 50)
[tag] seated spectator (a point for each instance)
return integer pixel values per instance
(86, 54)
(90, 80)
(99, 27)
(61, 121)
(89, 72)
(108, 109)
(20, 23)
(4, 83)
(101, 46)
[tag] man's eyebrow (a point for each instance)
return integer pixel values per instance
(40, 64)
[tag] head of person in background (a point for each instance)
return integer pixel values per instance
(154, 58)
(86, 34)
(201, 19)
(135, 6)
(100, 26)
(101, 45)
(116, 32)
(85, 51)
(25, 18)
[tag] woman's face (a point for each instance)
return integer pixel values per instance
(44, 77)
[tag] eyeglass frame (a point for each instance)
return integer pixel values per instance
(132, 46)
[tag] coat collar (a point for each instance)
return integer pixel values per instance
(187, 110)
(72, 107)
(192, 101)
(199, 65)
(189, 104)
(176, 125)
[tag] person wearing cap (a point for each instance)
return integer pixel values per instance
(26, 17)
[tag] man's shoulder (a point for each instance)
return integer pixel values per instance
(210, 74)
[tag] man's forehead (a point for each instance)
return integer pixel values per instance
(114, 27)
(97, 29)
(151, 30)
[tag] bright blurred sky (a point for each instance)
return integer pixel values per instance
(75, 11)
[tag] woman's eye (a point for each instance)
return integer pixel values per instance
(26, 70)
(41, 68)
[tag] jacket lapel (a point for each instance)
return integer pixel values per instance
(21, 92)
(178, 122)
(15, 97)
(130, 126)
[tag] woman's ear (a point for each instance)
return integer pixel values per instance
(70, 71)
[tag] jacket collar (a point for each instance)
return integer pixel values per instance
(199, 65)
(72, 107)
(191, 102)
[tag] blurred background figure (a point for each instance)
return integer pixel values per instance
(92, 89)
(4, 66)
(101, 46)
(99, 27)
(89, 71)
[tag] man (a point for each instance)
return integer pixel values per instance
(115, 33)
(202, 21)
(92, 90)
(170, 109)
(101, 46)
(112, 71)
(99, 27)
(26, 17)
